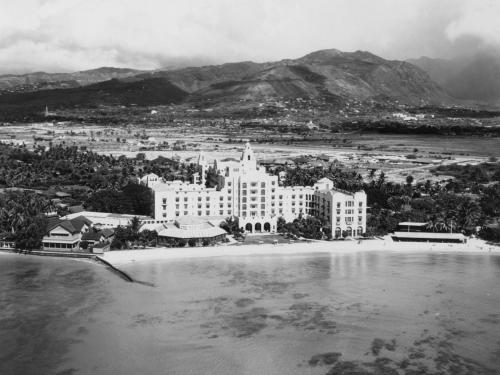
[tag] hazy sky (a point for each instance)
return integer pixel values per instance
(69, 35)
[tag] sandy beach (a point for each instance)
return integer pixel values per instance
(313, 247)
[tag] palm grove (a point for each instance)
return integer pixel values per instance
(109, 184)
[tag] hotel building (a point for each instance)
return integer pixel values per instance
(246, 191)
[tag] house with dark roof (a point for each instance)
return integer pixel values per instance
(65, 235)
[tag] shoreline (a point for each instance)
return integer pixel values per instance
(117, 258)
(124, 257)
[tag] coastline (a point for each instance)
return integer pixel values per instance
(124, 257)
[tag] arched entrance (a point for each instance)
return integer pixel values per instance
(338, 232)
(267, 227)
(359, 231)
(258, 227)
(349, 232)
(248, 227)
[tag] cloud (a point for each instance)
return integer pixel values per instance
(66, 35)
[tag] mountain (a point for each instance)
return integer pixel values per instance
(330, 75)
(475, 77)
(44, 81)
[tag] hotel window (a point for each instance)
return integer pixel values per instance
(199, 199)
(360, 219)
(262, 199)
(263, 192)
(253, 184)
(253, 206)
(360, 212)
(208, 213)
(221, 212)
(293, 210)
(244, 185)
(164, 200)
(293, 203)
(228, 198)
(244, 192)
(199, 213)
(273, 182)
(301, 196)
(281, 196)
(244, 199)
(338, 220)
(273, 197)
(207, 198)
(301, 203)
(253, 199)
(164, 207)
(221, 205)
(338, 204)
(164, 214)
(262, 184)
(281, 204)
(208, 205)
(229, 183)
(293, 196)
(229, 205)
(229, 212)
(281, 210)
(176, 213)
(185, 199)
(199, 205)
(253, 213)
(273, 190)
(338, 212)
(262, 213)
(185, 206)
(221, 198)
(360, 204)
(273, 211)
(185, 213)
(263, 206)
(177, 206)
(244, 207)
(253, 191)
(177, 199)
(229, 191)
(272, 204)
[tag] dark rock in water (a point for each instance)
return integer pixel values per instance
(347, 368)
(324, 359)
(244, 302)
(249, 323)
(300, 295)
(377, 345)
(391, 346)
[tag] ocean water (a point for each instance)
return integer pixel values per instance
(362, 313)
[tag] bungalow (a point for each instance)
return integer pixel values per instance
(188, 229)
(65, 235)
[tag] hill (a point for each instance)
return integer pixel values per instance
(475, 78)
(113, 92)
(328, 75)
(43, 81)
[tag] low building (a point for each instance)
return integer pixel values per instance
(101, 220)
(65, 235)
(417, 232)
(190, 229)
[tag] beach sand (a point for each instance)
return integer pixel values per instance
(121, 257)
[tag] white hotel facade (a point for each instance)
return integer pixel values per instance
(246, 191)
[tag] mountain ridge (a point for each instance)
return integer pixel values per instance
(328, 75)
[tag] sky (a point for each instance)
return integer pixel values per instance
(72, 35)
